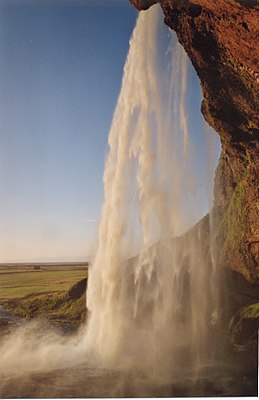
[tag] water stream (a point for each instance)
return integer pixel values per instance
(159, 303)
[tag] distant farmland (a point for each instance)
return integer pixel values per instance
(19, 280)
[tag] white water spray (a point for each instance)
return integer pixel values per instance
(146, 310)
(151, 294)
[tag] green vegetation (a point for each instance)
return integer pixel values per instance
(233, 224)
(56, 293)
(232, 230)
(244, 327)
(20, 283)
(58, 307)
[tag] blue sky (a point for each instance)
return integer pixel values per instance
(61, 64)
(60, 74)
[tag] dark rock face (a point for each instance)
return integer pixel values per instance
(77, 290)
(221, 39)
(143, 4)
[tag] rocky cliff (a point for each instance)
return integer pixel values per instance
(221, 40)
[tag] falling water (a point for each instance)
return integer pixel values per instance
(152, 290)
(149, 296)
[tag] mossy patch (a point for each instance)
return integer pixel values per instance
(244, 327)
(232, 230)
(55, 306)
(233, 225)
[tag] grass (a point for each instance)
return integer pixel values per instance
(18, 282)
(58, 307)
(56, 293)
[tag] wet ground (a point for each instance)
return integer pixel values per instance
(85, 382)
(238, 378)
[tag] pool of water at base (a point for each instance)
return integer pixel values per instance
(84, 382)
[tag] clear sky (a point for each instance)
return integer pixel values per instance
(61, 64)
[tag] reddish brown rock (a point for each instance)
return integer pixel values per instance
(143, 4)
(221, 39)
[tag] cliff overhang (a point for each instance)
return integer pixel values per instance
(221, 40)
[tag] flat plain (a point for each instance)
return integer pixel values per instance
(21, 280)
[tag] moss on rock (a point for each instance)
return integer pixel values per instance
(244, 327)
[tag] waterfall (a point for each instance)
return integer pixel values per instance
(150, 296)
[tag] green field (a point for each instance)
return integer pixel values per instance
(17, 282)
